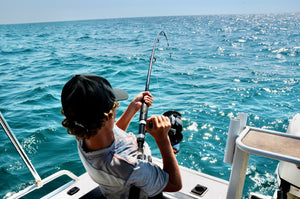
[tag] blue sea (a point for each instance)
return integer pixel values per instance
(220, 65)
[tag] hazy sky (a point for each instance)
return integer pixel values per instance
(25, 11)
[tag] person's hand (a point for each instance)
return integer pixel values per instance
(158, 127)
(134, 106)
(138, 100)
(159, 131)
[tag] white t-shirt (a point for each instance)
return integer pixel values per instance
(117, 168)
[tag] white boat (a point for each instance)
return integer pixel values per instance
(241, 142)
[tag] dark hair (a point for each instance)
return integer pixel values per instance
(80, 131)
(85, 131)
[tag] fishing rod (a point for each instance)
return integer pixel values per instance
(144, 108)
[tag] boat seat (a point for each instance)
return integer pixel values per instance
(94, 194)
(273, 143)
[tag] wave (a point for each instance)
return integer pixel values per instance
(16, 51)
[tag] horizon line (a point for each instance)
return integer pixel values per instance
(130, 17)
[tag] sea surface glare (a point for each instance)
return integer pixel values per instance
(220, 65)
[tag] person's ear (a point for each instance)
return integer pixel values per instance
(111, 115)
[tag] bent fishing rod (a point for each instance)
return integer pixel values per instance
(144, 108)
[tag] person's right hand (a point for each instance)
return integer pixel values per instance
(159, 127)
(159, 131)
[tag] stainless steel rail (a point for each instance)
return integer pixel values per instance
(38, 182)
(54, 176)
(20, 150)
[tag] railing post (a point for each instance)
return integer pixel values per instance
(233, 132)
(238, 173)
(20, 150)
(235, 156)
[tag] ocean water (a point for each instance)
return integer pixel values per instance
(220, 65)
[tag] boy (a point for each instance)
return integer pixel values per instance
(107, 152)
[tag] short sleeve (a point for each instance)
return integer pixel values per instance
(149, 177)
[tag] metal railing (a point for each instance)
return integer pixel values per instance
(38, 181)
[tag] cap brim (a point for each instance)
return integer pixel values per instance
(120, 94)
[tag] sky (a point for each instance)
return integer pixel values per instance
(32, 11)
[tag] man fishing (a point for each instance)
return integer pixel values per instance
(108, 153)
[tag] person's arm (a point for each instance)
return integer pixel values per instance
(159, 131)
(134, 106)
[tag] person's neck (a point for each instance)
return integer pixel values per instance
(103, 139)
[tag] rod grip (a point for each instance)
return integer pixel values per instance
(143, 112)
(142, 125)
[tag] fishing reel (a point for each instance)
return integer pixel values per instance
(174, 133)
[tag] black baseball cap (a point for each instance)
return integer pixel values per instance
(86, 97)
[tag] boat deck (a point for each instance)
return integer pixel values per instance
(216, 188)
(210, 187)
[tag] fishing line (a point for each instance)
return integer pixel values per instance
(144, 108)
(157, 87)
(159, 95)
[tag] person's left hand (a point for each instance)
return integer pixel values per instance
(138, 100)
